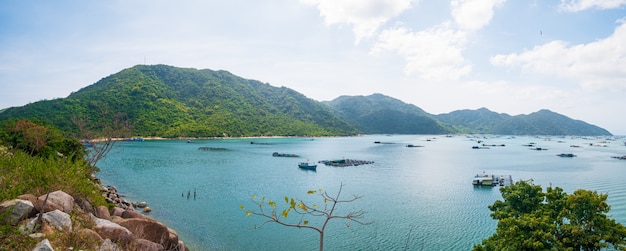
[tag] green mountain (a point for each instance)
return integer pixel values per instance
(546, 122)
(543, 122)
(377, 113)
(473, 121)
(167, 101)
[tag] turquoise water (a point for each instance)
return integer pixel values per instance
(417, 198)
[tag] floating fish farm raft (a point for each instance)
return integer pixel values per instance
(345, 162)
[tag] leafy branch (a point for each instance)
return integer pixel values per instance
(268, 209)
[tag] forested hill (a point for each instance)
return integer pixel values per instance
(166, 101)
(543, 122)
(377, 113)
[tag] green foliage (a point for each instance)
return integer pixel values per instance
(22, 174)
(12, 239)
(530, 219)
(167, 101)
(543, 122)
(39, 140)
(37, 160)
(381, 114)
(325, 212)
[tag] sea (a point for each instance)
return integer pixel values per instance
(413, 198)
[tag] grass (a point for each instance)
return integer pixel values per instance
(23, 174)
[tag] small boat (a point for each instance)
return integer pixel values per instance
(411, 145)
(307, 166)
(483, 180)
(492, 180)
(277, 154)
(566, 155)
(480, 147)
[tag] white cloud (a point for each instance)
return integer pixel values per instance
(473, 14)
(597, 65)
(434, 53)
(580, 5)
(365, 16)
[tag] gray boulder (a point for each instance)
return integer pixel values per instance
(108, 245)
(58, 220)
(43, 246)
(20, 209)
(142, 204)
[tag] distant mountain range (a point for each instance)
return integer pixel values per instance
(166, 101)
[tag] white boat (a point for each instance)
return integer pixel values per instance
(492, 180)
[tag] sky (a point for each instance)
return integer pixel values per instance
(509, 56)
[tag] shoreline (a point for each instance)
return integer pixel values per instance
(122, 207)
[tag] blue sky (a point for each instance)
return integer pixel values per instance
(510, 56)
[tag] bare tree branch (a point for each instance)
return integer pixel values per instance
(101, 136)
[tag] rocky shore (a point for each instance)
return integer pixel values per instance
(120, 227)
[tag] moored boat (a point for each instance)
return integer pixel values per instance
(492, 180)
(307, 166)
(566, 155)
(277, 154)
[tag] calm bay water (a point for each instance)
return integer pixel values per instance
(418, 198)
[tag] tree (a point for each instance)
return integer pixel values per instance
(530, 219)
(327, 212)
(101, 135)
(39, 140)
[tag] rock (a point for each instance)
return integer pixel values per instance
(36, 235)
(29, 227)
(112, 231)
(28, 197)
(60, 198)
(117, 211)
(142, 204)
(102, 212)
(151, 230)
(84, 205)
(89, 234)
(181, 246)
(58, 220)
(131, 214)
(20, 209)
(147, 210)
(43, 246)
(173, 235)
(143, 244)
(50, 206)
(108, 245)
(116, 219)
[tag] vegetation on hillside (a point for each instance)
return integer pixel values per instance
(167, 101)
(37, 159)
(379, 114)
(543, 122)
(530, 219)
